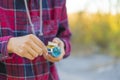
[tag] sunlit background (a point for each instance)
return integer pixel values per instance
(93, 6)
(95, 27)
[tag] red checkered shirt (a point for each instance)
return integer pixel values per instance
(14, 22)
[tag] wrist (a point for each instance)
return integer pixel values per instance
(9, 45)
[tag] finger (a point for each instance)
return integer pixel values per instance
(53, 59)
(47, 58)
(36, 48)
(28, 56)
(39, 43)
(24, 53)
(56, 40)
(59, 42)
(31, 51)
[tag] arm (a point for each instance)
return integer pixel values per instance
(64, 33)
(63, 36)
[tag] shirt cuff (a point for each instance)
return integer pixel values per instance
(67, 47)
(3, 46)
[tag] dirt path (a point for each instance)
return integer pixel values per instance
(93, 67)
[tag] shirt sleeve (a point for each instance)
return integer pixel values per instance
(3, 47)
(64, 32)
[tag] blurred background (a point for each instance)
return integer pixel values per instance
(95, 27)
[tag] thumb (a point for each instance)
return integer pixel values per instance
(59, 42)
(56, 40)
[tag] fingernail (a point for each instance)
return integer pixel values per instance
(46, 54)
(40, 54)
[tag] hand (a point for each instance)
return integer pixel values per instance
(61, 45)
(28, 46)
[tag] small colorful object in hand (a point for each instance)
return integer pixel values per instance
(53, 49)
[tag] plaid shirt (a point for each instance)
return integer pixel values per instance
(14, 22)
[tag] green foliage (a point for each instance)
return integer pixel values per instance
(102, 30)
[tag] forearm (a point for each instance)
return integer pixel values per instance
(64, 32)
(65, 35)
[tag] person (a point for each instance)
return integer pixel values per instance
(26, 27)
